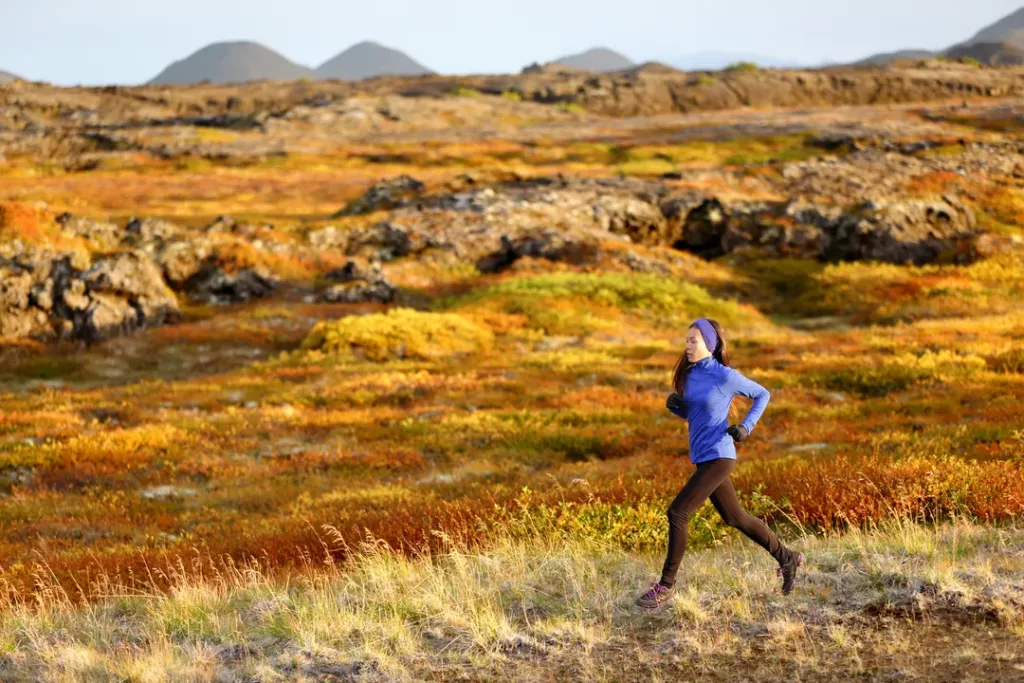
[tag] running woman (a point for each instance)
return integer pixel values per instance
(704, 388)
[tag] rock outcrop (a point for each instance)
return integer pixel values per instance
(386, 194)
(353, 284)
(564, 220)
(205, 266)
(44, 296)
(909, 230)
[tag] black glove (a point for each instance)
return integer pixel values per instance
(676, 404)
(737, 432)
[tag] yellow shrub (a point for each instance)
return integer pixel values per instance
(401, 333)
(572, 359)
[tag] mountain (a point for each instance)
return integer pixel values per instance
(7, 77)
(714, 60)
(235, 62)
(886, 57)
(990, 54)
(999, 43)
(596, 59)
(1009, 29)
(369, 59)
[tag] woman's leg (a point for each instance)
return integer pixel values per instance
(728, 505)
(708, 477)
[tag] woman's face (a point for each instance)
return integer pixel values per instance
(696, 349)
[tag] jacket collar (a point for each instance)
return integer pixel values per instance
(705, 362)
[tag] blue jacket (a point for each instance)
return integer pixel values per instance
(710, 387)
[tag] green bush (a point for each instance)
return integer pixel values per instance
(401, 333)
(742, 66)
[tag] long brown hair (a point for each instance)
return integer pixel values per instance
(683, 365)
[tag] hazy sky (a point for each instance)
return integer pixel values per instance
(130, 41)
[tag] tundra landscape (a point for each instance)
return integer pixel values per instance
(323, 379)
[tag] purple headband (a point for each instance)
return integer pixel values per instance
(710, 337)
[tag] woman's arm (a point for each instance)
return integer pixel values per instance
(736, 383)
(676, 405)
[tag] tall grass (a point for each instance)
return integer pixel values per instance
(543, 606)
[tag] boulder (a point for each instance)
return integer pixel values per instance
(386, 194)
(355, 284)
(385, 242)
(106, 236)
(201, 267)
(44, 296)
(642, 221)
(213, 284)
(909, 230)
(149, 234)
(986, 245)
(703, 228)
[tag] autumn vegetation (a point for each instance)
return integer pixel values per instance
(473, 481)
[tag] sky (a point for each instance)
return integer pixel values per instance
(99, 42)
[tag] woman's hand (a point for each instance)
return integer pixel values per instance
(737, 432)
(676, 404)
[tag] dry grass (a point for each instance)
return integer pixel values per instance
(556, 607)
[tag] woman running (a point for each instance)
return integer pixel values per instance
(704, 388)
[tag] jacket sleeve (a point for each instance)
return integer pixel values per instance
(737, 384)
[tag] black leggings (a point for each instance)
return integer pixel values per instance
(712, 480)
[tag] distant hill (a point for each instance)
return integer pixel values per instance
(596, 59)
(1000, 43)
(235, 62)
(551, 68)
(651, 68)
(369, 59)
(991, 54)
(1009, 29)
(7, 77)
(886, 57)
